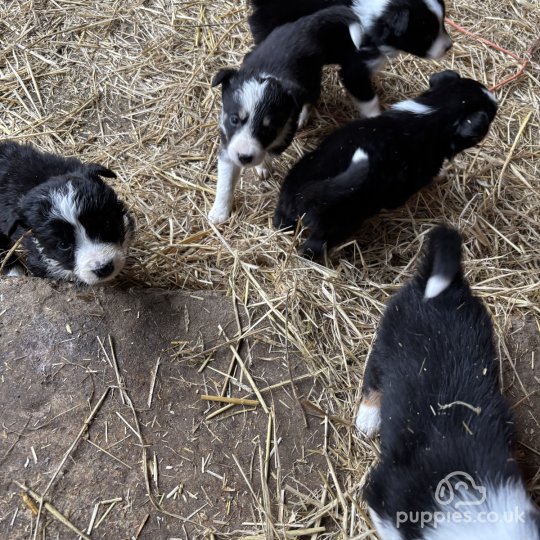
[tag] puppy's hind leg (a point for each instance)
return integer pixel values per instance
(228, 174)
(356, 77)
(313, 248)
(368, 418)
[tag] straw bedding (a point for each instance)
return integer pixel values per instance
(127, 83)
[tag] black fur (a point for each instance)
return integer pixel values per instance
(403, 25)
(405, 152)
(28, 180)
(430, 353)
(5, 246)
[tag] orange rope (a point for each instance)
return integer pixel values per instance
(524, 62)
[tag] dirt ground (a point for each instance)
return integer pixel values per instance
(57, 364)
(54, 371)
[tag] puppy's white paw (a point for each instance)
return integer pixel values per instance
(219, 214)
(15, 271)
(368, 419)
(303, 119)
(368, 109)
(441, 175)
(262, 171)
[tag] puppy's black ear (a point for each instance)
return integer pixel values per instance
(19, 222)
(398, 20)
(442, 77)
(16, 219)
(474, 127)
(223, 76)
(98, 170)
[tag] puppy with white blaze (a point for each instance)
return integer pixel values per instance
(80, 230)
(447, 469)
(388, 26)
(380, 162)
(264, 99)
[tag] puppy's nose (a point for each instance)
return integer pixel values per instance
(105, 270)
(245, 159)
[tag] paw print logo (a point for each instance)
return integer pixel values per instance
(460, 487)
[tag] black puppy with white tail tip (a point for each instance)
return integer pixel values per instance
(447, 469)
(380, 162)
(81, 231)
(268, 97)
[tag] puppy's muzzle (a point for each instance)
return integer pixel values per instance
(440, 47)
(104, 271)
(245, 159)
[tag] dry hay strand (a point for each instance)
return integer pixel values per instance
(128, 84)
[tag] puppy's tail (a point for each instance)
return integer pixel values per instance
(442, 261)
(336, 189)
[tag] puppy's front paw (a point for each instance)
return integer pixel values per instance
(15, 271)
(303, 119)
(369, 109)
(262, 171)
(368, 419)
(219, 214)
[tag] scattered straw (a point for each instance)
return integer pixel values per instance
(128, 84)
(52, 510)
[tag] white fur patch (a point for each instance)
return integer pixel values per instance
(368, 109)
(228, 174)
(506, 513)
(384, 527)
(435, 7)
(412, 106)
(357, 33)
(64, 204)
(490, 96)
(439, 47)
(436, 285)
(303, 119)
(368, 420)
(15, 271)
(250, 94)
(368, 11)
(222, 120)
(359, 155)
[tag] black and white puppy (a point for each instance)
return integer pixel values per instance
(263, 100)
(380, 162)
(81, 231)
(388, 26)
(447, 469)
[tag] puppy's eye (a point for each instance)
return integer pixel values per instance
(64, 246)
(234, 120)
